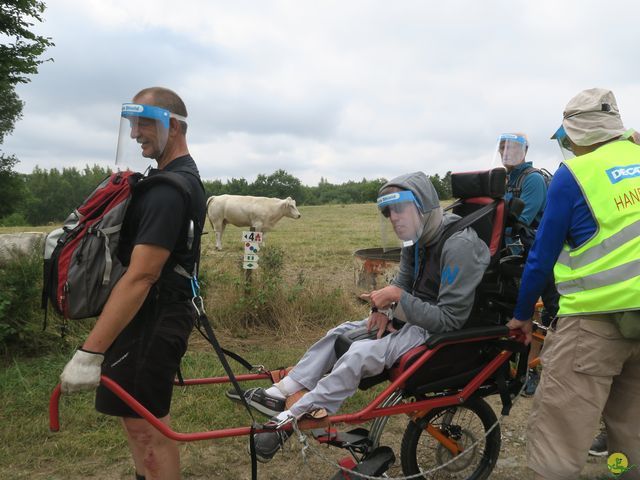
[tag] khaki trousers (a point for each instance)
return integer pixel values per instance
(589, 371)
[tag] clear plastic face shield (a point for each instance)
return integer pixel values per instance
(566, 147)
(144, 131)
(510, 151)
(401, 219)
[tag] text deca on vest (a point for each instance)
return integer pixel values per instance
(617, 174)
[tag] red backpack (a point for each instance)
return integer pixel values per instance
(81, 264)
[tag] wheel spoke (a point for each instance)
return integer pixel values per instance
(445, 438)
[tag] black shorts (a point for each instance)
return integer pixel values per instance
(145, 357)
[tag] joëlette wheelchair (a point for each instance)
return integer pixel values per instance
(440, 386)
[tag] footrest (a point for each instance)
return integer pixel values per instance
(376, 463)
(356, 439)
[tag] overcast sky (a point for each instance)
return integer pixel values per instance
(336, 89)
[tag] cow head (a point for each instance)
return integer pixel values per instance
(291, 210)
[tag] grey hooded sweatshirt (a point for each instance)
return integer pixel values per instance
(446, 305)
(429, 305)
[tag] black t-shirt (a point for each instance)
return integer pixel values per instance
(160, 216)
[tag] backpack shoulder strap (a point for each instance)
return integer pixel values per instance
(546, 174)
(463, 223)
(171, 178)
(180, 183)
(517, 189)
(188, 172)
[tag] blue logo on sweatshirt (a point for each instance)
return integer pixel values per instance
(617, 174)
(449, 275)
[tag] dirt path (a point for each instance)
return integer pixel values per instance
(513, 457)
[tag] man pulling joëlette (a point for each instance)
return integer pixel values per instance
(143, 330)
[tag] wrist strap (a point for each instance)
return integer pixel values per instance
(387, 312)
(89, 351)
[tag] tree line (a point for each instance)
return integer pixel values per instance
(48, 196)
(20, 56)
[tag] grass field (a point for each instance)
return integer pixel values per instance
(306, 284)
(316, 264)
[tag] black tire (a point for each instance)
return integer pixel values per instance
(466, 423)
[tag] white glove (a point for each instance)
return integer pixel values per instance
(82, 372)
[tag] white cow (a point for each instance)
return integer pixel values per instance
(22, 243)
(262, 213)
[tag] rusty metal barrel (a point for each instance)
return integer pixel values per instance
(374, 268)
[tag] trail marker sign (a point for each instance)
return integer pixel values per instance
(252, 236)
(252, 241)
(251, 248)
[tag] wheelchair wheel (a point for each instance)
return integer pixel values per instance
(464, 425)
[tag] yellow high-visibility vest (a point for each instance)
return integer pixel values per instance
(603, 274)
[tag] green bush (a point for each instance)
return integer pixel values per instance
(260, 292)
(20, 314)
(14, 220)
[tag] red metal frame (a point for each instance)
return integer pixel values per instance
(370, 411)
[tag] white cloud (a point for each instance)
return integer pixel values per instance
(341, 90)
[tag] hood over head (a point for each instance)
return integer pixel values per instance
(429, 204)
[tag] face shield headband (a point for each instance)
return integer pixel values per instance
(394, 201)
(512, 149)
(401, 219)
(143, 135)
(162, 115)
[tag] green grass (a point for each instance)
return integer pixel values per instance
(313, 284)
(89, 443)
(315, 290)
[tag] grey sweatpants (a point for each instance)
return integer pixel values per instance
(365, 358)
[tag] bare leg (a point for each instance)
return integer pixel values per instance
(136, 452)
(154, 455)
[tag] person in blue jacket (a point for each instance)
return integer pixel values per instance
(529, 185)
(590, 368)
(524, 181)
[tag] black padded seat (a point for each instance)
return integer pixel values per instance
(466, 334)
(462, 359)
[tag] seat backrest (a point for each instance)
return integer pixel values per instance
(482, 190)
(484, 183)
(490, 227)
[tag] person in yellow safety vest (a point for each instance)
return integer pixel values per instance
(589, 237)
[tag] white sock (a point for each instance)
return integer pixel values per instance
(288, 386)
(284, 415)
(275, 392)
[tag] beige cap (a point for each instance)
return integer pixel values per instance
(592, 116)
